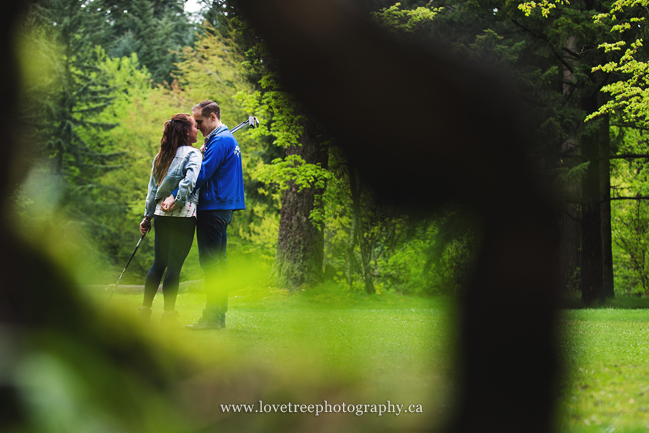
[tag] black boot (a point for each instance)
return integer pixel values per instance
(211, 319)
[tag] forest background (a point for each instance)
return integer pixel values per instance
(101, 77)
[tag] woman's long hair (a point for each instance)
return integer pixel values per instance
(175, 135)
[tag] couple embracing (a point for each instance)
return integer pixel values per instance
(186, 193)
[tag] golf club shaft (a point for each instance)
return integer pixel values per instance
(129, 262)
(239, 126)
(252, 121)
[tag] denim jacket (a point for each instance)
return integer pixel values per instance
(182, 174)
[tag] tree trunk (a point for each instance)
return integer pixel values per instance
(367, 272)
(605, 208)
(570, 244)
(300, 244)
(569, 248)
(592, 287)
(350, 256)
(357, 235)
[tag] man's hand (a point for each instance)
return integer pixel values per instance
(145, 226)
(169, 204)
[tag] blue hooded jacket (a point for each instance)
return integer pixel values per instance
(221, 177)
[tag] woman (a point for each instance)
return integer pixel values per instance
(176, 166)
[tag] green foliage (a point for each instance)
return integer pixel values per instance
(405, 20)
(155, 30)
(544, 6)
(110, 203)
(410, 256)
(67, 111)
(630, 218)
(260, 231)
(629, 94)
(280, 116)
(631, 236)
(292, 170)
(492, 47)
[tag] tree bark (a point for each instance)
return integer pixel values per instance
(350, 256)
(357, 234)
(570, 243)
(592, 287)
(570, 247)
(300, 244)
(605, 208)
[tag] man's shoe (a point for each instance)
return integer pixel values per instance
(169, 318)
(208, 321)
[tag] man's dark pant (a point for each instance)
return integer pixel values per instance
(211, 234)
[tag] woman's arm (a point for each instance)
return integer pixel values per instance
(150, 196)
(186, 185)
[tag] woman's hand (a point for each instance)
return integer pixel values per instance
(145, 226)
(169, 204)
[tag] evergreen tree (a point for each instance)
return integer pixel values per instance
(552, 49)
(73, 106)
(155, 30)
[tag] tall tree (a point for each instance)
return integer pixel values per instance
(156, 30)
(300, 244)
(75, 105)
(558, 51)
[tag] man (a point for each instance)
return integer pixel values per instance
(221, 192)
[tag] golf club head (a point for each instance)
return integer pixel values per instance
(253, 121)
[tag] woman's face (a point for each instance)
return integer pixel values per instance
(193, 132)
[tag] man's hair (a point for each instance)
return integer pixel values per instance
(208, 107)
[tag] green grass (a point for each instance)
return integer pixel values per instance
(606, 354)
(326, 344)
(316, 345)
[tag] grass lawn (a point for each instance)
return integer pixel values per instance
(320, 345)
(306, 348)
(606, 352)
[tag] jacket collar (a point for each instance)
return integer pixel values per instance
(215, 131)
